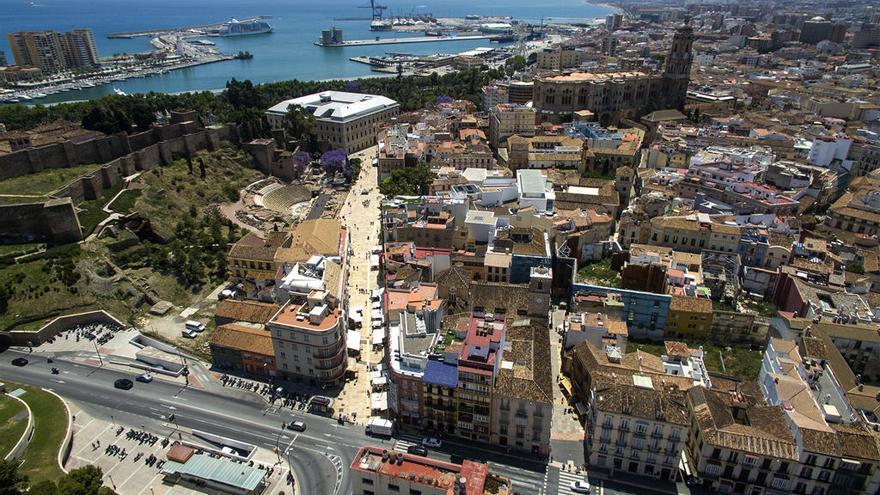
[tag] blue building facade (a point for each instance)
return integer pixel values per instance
(645, 313)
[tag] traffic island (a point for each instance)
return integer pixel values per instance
(15, 426)
(51, 422)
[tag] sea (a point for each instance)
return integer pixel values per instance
(288, 52)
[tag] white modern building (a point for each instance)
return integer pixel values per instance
(533, 190)
(345, 120)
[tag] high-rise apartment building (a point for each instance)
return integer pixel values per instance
(79, 48)
(51, 51)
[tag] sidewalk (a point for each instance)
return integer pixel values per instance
(363, 225)
(91, 437)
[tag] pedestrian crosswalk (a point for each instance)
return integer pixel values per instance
(566, 478)
(406, 441)
(523, 480)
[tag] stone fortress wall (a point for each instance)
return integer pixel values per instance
(55, 220)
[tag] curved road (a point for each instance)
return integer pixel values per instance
(247, 421)
(320, 456)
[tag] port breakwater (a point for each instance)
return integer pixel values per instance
(397, 41)
(215, 26)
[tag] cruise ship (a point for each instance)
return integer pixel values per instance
(238, 28)
(381, 25)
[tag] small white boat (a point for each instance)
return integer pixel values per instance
(119, 92)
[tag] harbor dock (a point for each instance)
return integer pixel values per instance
(397, 41)
(206, 28)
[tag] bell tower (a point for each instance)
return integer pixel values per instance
(677, 69)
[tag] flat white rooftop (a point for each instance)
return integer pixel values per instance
(337, 105)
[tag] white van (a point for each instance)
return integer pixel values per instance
(195, 326)
(380, 426)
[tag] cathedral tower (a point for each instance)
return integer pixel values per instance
(677, 69)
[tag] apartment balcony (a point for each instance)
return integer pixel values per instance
(329, 364)
(656, 434)
(330, 350)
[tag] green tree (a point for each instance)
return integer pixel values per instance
(45, 487)
(99, 119)
(409, 181)
(86, 480)
(299, 124)
(5, 294)
(514, 63)
(12, 482)
(242, 95)
(142, 115)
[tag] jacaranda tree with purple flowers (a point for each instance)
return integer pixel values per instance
(353, 86)
(301, 160)
(334, 161)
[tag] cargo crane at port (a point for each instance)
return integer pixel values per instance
(378, 10)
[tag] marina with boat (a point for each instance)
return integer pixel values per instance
(173, 49)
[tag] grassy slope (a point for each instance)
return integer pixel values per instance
(125, 202)
(10, 427)
(19, 249)
(91, 211)
(37, 293)
(40, 459)
(44, 182)
(171, 190)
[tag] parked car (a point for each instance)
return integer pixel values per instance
(580, 486)
(123, 384)
(145, 378)
(432, 442)
(195, 326)
(190, 334)
(297, 426)
(417, 450)
(19, 362)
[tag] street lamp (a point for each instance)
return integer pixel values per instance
(98, 352)
(278, 443)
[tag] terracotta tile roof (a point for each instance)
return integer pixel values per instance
(312, 237)
(492, 297)
(243, 338)
(691, 304)
(595, 360)
(691, 223)
(856, 441)
(763, 431)
(678, 350)
(529, 378)
(820, 442)
(665, 403)
(249, 311)
(252, 247)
